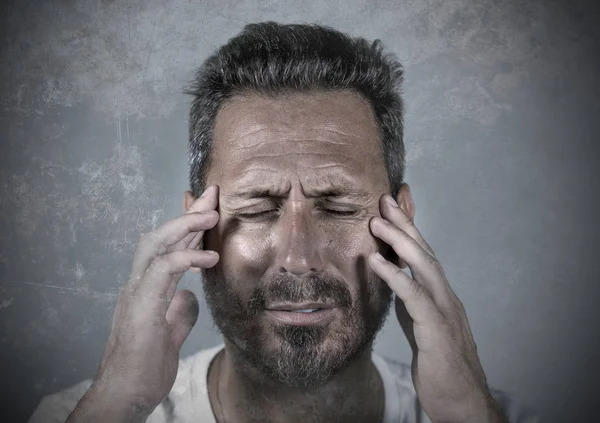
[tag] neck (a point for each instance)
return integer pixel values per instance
(239, 393)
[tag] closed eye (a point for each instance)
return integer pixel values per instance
(341, 212)
(265, 213)
(255, 215)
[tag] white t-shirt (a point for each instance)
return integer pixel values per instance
(188, 400)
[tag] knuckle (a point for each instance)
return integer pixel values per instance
(460, 306)
(440, 320)
(398, 272)
(432, 261)
(160, 249)
(429, 249)
(417, 289)
(157, 265)
(133, 280)
(151, 239)
(161, 296)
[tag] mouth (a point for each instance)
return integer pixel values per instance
(299, 307)
(305, 314)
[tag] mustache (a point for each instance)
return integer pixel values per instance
(315, 288)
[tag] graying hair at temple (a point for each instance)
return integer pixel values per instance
(273, 59)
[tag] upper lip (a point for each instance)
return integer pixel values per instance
(302, 306)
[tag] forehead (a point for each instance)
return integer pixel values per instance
(316, 137)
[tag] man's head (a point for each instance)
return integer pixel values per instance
(301, 128)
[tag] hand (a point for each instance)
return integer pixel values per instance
(447, 374)
(151, 322)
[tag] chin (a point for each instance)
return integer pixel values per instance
(306, 356)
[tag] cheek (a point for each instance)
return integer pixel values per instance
(244, 258)
(348, 250)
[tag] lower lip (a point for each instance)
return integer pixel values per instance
(301, 319)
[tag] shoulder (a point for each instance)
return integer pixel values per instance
(57, 407)
(193, 371)
(190, 383)
(515, 410)
(397, 372)
(401, 402)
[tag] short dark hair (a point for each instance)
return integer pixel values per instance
(271, 58)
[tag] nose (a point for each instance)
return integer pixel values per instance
(298, 251)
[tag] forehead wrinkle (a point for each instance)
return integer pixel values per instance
(270, 130)
(332, 185)
(330, 166)
(296, 140)
(341, 133)
(297, 153)
(258, 170)
(249, 133)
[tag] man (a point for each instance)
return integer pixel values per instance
(296, 143)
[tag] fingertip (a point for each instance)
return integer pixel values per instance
(213, 212)
(376, 220)
(378, 257)
(207, 191)
(214, 255)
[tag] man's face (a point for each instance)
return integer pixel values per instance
(300, 176)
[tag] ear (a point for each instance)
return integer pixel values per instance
(404, 200)
(188, 200)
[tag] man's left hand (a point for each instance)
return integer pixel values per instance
(447, 374)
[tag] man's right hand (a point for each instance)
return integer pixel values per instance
(151, 321)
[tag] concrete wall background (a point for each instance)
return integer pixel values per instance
(501, 129)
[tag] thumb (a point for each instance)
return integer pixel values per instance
(182, 315)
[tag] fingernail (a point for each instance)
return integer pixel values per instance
(206, 191)
(379, 257)
(391, 201)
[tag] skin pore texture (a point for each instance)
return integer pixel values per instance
(300, 176)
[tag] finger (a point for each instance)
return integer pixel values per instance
(172, 288)
(406, 323)
(207, 201)
(401, 219)
(424, 267)
(182, 315)
(417, 301)
(184, 243)
(195, 242)
(159, 276)
(156, 243)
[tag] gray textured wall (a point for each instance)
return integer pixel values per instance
(501, 124)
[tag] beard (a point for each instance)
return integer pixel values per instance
(297, 356)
